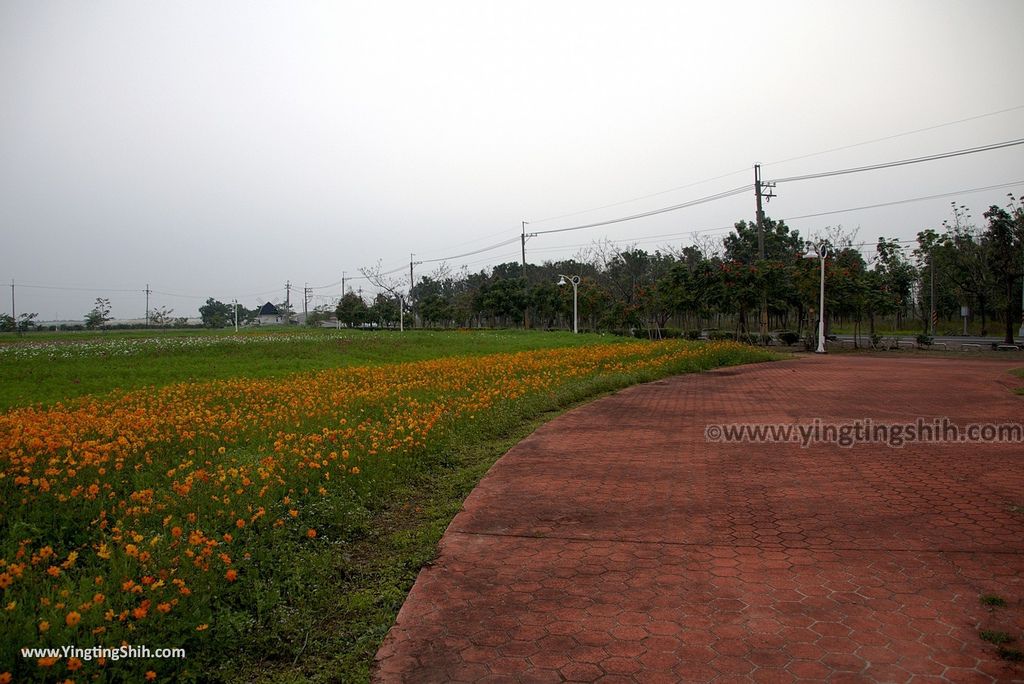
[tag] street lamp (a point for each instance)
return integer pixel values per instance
(575, 281)
(821, 252)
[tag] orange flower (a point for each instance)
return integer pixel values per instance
(150, 676)
(5, 580)
(74, 664)
(311, 533)
(239, 523)
(176, 532)
(43, 626)
(46, 662)
(202, 628)
(164, 607)
(231, 575)
(6, 678)
(72, 619)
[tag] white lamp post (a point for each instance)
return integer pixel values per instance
(821, 252)
(575, 280)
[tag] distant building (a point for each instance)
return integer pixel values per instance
(269, 315)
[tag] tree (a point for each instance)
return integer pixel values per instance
(99, 315)
(352, 310)
(389, 283)
(384, 311)
(1004, 242)
(26, 322)
(216, 314)
(161, 316)
(7, 323)
(318, 315)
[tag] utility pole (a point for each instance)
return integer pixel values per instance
(524, 250)
(306, 290)
(147, 304)
(931, 299)
(412, 283)
(236, 314)
(526, 310)
(14, 315)
(759, 193)
(288, 293)
(342, 298)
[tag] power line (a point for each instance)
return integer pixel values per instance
(653, 212)
(474, 252)
(643, 197)
(896, 135)
(790, 159)
(80, 289)
(907, 201)
(903, 162)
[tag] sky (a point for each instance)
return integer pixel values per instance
(221, 149)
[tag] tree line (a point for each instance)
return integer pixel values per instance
(708, 285)
(720, 286)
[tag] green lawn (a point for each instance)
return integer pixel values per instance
(301, 610)
(50, 367)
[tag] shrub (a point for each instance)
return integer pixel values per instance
(788, 337)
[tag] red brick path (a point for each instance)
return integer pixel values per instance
(616, 544)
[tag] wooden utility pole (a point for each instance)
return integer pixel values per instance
(758, 195)
(526, 310)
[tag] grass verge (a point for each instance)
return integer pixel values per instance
(270, 527)
(45, 370)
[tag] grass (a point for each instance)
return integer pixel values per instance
(995, 637)
(333, 631)
(992, 600)
(50, 367)
(295, 507)
(1013, 655)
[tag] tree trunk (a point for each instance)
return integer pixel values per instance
(1010, 306)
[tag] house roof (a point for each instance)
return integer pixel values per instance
(269, 309)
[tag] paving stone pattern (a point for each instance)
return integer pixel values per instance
(616, 544)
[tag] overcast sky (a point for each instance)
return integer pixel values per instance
(223, 148)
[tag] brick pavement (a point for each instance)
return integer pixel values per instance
(617, 544)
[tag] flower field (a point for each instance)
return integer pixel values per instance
(164, 516)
